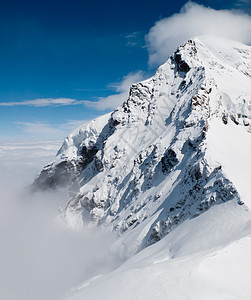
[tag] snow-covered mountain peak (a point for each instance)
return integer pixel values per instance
(232, 54)
(156, 161)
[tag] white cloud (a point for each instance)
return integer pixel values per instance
(73, 124)
(122, 89)
(195, 20)
(42, 131)
(44, 102)
(109, 102)
(39, 129)
(40, 258)
(243, 2)
(132, 39)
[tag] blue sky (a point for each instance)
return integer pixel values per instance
(77, 51)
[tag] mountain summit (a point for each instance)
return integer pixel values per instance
(178, 145)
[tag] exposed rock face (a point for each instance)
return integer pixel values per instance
(147, 166)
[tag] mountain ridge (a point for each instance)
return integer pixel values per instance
(148, 166)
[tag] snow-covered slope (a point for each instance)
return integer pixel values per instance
(177, 146)
(207, 258)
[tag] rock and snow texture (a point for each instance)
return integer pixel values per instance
(177, 146)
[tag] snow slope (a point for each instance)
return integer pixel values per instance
(204, 258)
(175, 148)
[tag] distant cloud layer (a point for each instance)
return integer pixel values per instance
(195, 20)
(44, 102)
(122, 89)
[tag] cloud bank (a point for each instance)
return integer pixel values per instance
(40, 257)
(195, 20)
(122, 89)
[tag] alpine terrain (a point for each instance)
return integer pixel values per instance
(169, 169)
